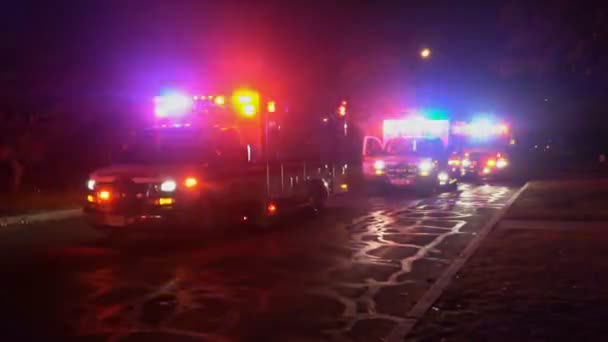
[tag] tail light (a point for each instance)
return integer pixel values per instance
(272, 208)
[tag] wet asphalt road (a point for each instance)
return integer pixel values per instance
(351, 273)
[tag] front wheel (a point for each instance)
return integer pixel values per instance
(318, 198)
(426, 189)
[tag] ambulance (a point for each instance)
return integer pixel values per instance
(207, 159)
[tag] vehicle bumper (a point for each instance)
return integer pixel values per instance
(484, 174)
(149, 217)
(404, 181)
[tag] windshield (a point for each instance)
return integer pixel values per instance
(419, 147)
(176, 146)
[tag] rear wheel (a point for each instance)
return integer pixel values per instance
(207, 217)
(262, 219)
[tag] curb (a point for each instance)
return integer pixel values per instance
(40, 217)
(400, 332)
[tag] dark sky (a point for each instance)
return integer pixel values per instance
(542, 63)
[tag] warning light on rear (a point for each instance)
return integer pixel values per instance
(271, 209)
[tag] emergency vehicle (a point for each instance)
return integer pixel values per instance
(481, 148)
(208, 159)
(412, 152)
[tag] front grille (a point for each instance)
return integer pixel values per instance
(401, 170)
(127, 196)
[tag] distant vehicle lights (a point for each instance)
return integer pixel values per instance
(271, 106)
(103, 195)
(219, 100)
(190, 182)
(379, 166)
(502, 163)
(481, 128)
(415, 127)
(172, 104)
(443, 177)
(248, 110)
(425, 167)
(168, 186)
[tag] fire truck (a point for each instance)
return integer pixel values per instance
(412, 152)
(209, 159)
(481, 148)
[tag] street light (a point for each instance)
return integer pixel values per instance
(425, 53)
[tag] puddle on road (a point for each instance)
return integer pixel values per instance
(360, 282)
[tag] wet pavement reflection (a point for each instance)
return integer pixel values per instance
(352, 273)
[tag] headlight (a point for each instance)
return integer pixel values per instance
(425, 166)
(379, 165)
(91, 184)
(443, 177)
(466, 162)
(491, 162)
(168, 186)
(501, 163)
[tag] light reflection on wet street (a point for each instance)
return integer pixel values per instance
(352, 273)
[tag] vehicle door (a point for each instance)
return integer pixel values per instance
(372, 151)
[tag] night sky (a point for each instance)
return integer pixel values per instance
(542, 64)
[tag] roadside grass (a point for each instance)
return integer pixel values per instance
(36, 201)
(577, 200)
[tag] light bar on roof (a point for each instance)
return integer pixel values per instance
(172, 104)
(416, 127)
(480, 128)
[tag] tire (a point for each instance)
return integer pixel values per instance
(318, 197)
(207, 218)
(453, 186)
(426, 189)
(263, 222)
(115, 237)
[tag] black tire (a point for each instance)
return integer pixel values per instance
(263, 222)
(207, 218)
(318, 197)
(453, 186)
(426, 189)
(116, 237)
